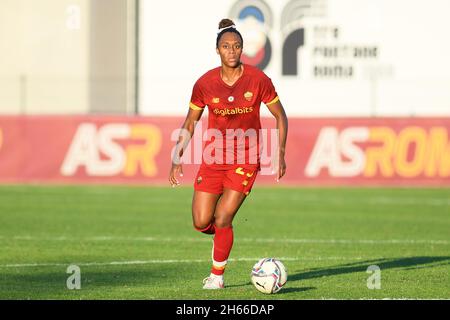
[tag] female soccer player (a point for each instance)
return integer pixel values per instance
(233, 93)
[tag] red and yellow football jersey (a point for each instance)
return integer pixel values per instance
(234, 115)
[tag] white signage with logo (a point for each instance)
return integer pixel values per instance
(325, 57)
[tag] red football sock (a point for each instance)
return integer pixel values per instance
(223, 242)
(210, 229)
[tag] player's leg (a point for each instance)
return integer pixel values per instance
(203, 208)
(227, 207)
(207, 191)
(237, 185)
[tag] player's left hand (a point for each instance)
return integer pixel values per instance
(174, 171)
(281, 168)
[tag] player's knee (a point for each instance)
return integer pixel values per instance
(200, 222)
(201, 225)
(223, 222)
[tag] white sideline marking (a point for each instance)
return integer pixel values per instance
(355, 241)
(381, 200)
(169, 261)
(260, 240)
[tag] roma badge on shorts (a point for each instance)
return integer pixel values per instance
(248, 95)
(199, 179)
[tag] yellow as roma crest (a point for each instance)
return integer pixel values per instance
(248, 95)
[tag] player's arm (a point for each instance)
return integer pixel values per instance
(187, 131)
(278, 112)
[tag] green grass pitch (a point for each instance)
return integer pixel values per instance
(137, 242)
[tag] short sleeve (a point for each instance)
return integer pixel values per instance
(268, 92)
(197, 98)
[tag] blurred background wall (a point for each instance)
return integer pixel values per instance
(326, 57)
(94, 90)
(67, 56)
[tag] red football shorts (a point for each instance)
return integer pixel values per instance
(239, 178)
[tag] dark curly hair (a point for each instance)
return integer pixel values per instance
(228, 26)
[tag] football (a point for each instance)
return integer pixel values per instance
(269, 275)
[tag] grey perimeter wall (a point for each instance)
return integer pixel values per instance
(112, 64)
(68, 56)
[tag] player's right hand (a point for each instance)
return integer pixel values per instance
(175, 171)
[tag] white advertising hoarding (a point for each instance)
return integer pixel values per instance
(325, 57)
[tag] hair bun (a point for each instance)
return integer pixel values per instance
(225, 23)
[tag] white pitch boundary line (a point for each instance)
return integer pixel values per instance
(259, 240)
(380, 200)
(349, 241)
(167, 261)
(374, 200)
